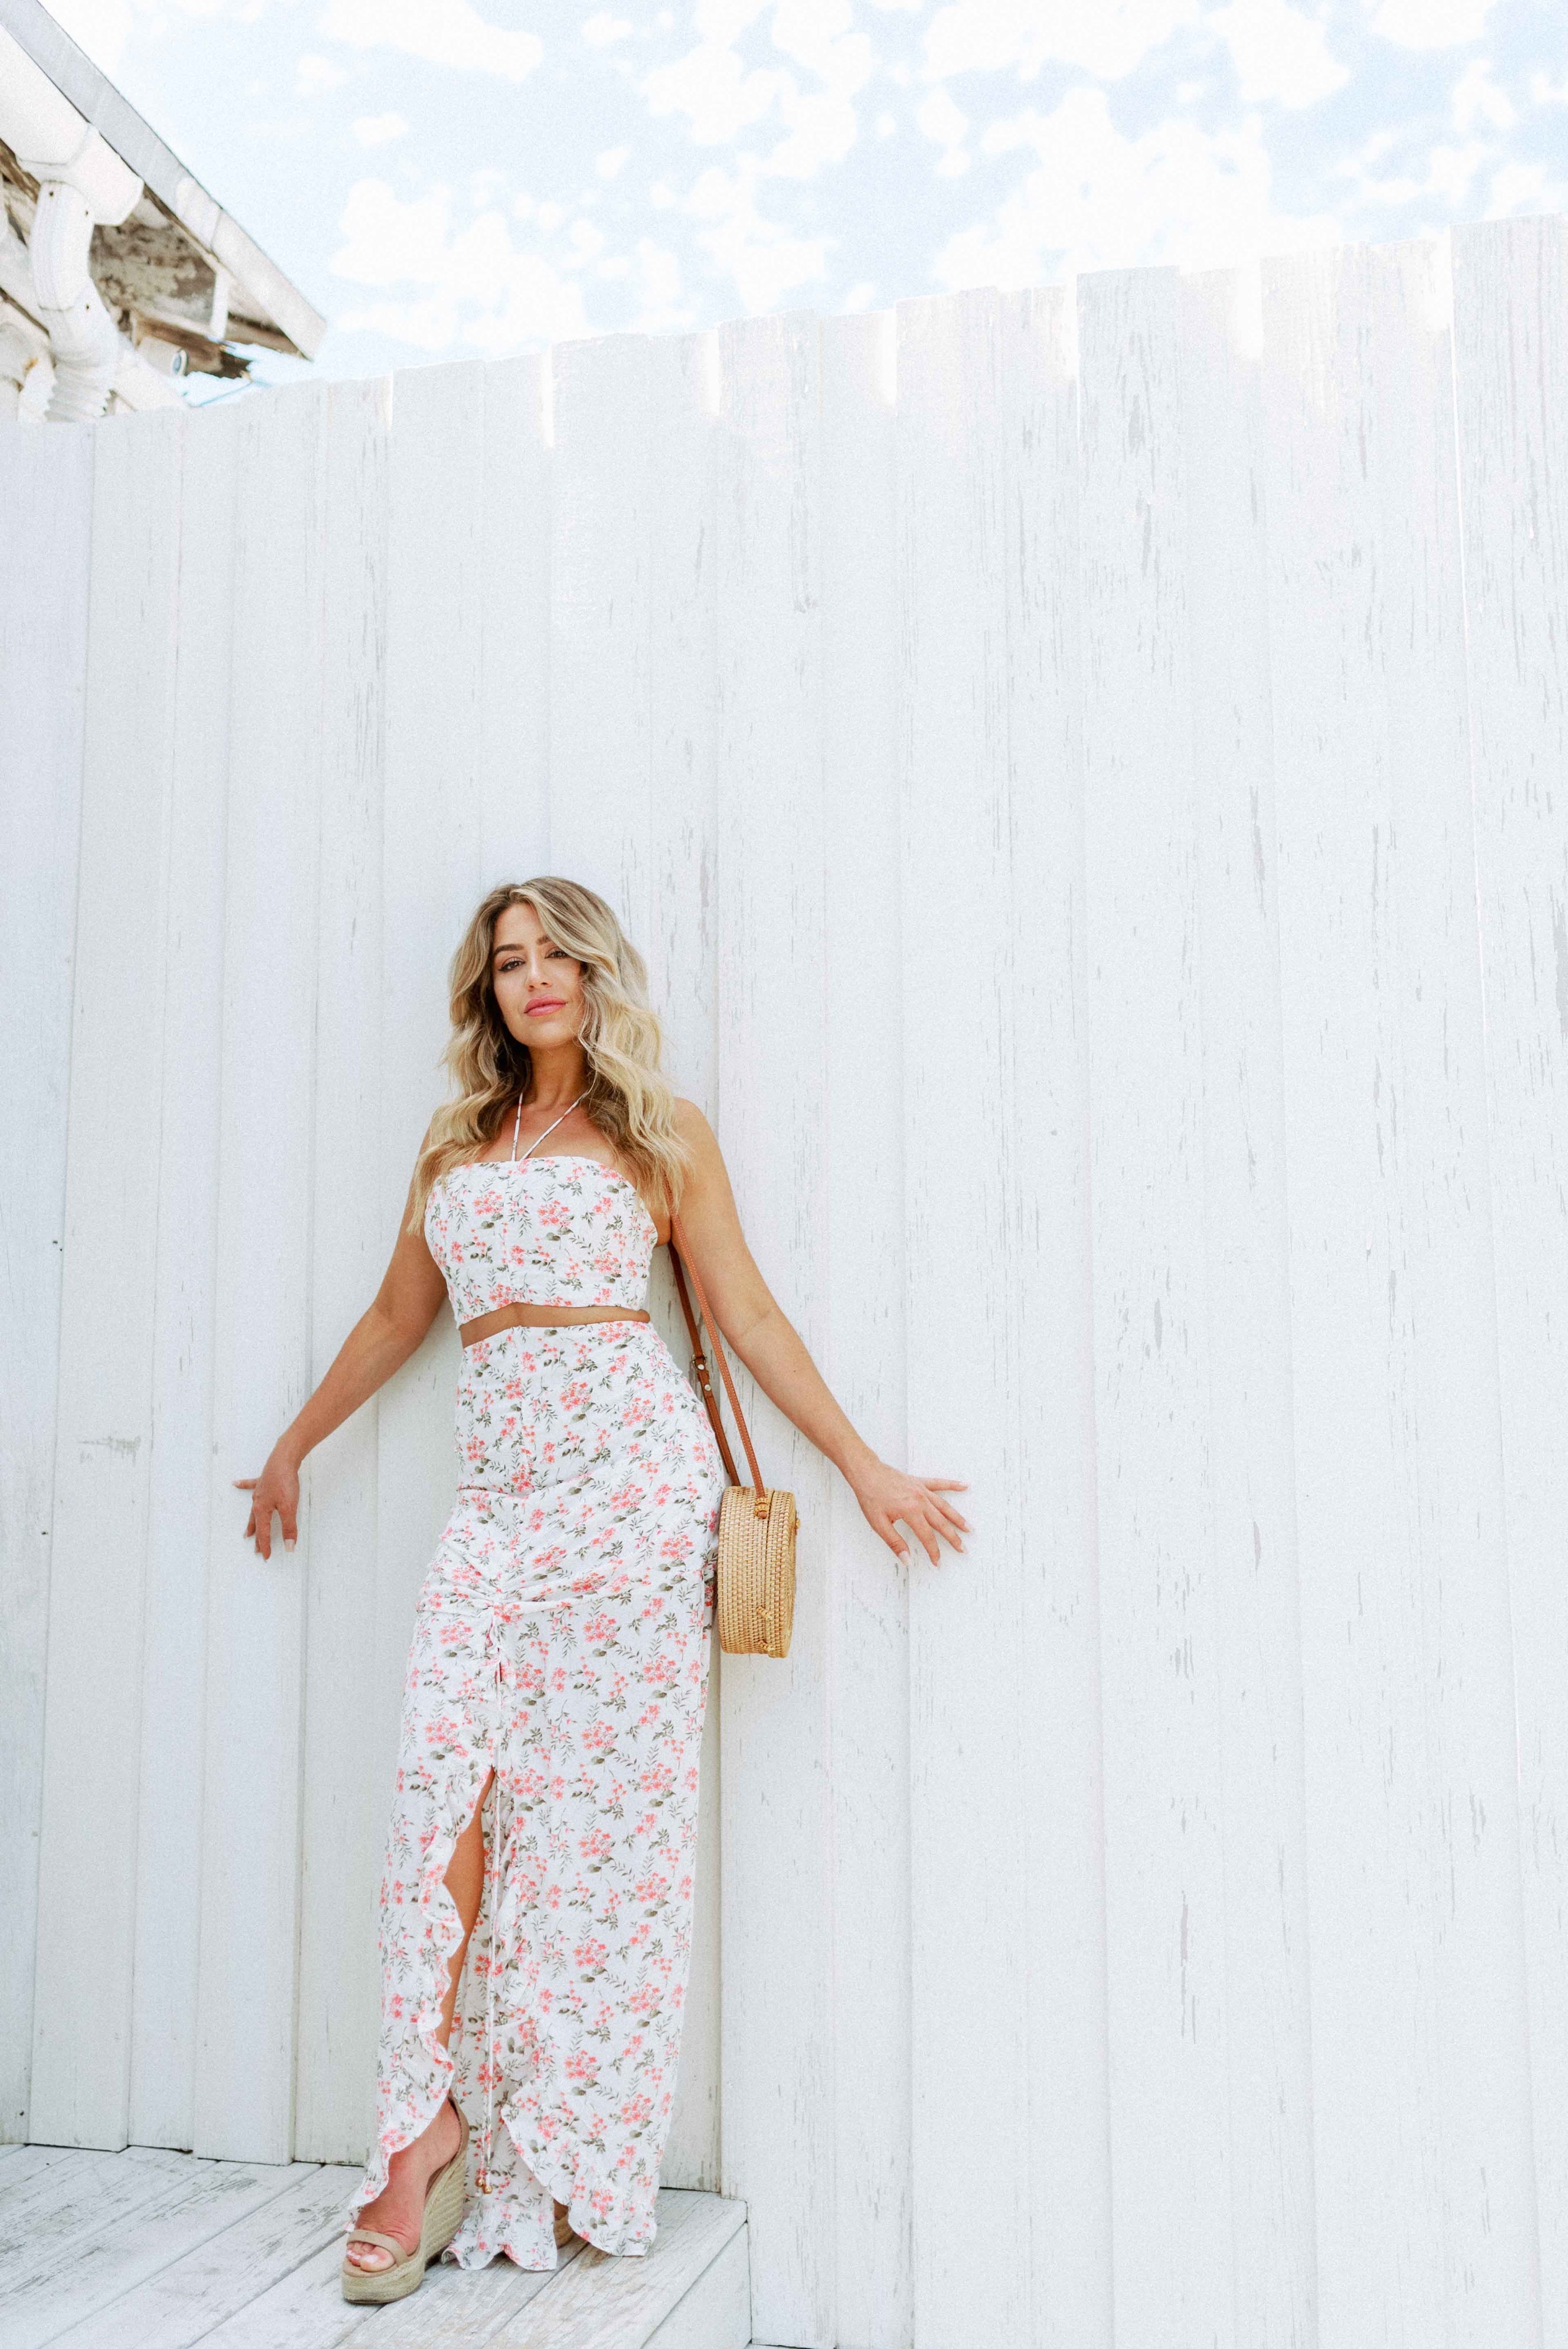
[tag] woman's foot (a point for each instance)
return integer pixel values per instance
(400, 2209)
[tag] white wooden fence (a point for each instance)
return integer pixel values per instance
(1090, 779)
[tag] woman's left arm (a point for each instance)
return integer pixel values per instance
(771, 1349)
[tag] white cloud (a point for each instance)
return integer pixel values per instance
(941, 122)
(717, 94)
(1479, 101)
(822, 127)
(819, 35)
(603, 30)
(610, 162)
(314, 75)
(446, 286)
(390, 240)
(657, 291)
(1097, 200)
(453, 33)
(720, 96)
(1280, 55)
(1107, 37)
(722, 21)
(1431, 23)
(378, 129)
(1525, 188)
(760, 256)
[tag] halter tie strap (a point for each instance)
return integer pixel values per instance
(538, 1138)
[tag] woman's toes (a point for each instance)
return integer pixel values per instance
(370, 2255)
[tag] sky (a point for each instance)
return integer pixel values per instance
(460, 179)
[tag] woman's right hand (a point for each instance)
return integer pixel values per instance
(276, 1489)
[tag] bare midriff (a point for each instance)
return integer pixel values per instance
(545, 1317)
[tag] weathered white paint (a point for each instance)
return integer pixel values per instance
(1257, 1630)
(769, 881)
(862, 1342)
(966, 932)
(1079, 778)
(46, 492)
(1511, 350)
(339, 1852)
(108, 1353)
(171, 1784)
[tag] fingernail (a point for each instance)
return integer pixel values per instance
(288, 1545)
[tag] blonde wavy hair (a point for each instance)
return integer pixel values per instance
(629, 1098)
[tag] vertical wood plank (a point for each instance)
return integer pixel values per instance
(863, 1360)
(1380, 2253)
(432, 878)
(169, 1853)
(600, 644)
(969, 1995)
(344, 1823)
(1043, 1133)
(1406, 1670)
(45, 513)
(1164, 1856)
(87, 1898)
(681, 947)
(1510, 332)
(514, 615)
(778, 2135)
(1453, 1444)
(1266, 1985)
(681, 942)
(247, 1989)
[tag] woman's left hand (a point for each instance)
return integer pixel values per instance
(889, 1496)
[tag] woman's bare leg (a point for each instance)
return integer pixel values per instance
(398, 2209)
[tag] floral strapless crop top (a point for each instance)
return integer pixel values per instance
(539, 1231)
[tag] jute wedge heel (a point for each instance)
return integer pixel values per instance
(442, 2216)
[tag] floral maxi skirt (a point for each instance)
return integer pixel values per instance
(561, 1638)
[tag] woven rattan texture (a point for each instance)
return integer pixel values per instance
(756, 1573)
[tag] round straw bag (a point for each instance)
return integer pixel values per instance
(757, 1525)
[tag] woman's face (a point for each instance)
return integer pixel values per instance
(538, 986)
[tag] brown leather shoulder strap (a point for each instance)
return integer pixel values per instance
(700, 1364)
(679, 1250)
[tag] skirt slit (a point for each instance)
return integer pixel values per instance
(562, 1639)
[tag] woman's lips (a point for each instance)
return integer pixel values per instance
(534, 1007)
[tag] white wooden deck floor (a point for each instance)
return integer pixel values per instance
(148, 2250)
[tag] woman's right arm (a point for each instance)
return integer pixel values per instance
(380, 1343)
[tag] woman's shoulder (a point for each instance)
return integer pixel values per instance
(693, 1128)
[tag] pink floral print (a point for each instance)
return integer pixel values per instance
(561, 1637)
(539, 1231)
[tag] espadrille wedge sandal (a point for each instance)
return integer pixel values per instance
(442, 2216)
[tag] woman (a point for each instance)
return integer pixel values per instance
(558, 1671)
